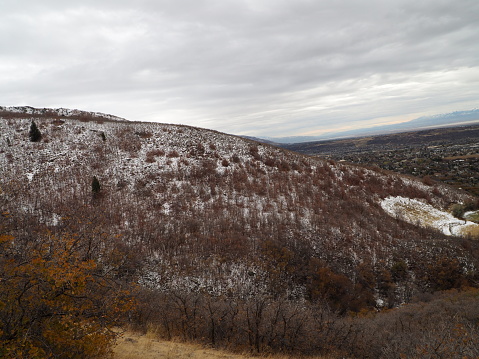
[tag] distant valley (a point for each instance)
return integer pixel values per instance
(449, 155)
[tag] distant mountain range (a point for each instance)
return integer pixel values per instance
(424, 122)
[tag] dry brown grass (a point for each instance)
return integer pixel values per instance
(147, 346)
(465, 157)
(472, 231)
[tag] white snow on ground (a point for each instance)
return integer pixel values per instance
(422, 214)
(471, 214)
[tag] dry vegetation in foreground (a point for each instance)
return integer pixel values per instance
(147, 346)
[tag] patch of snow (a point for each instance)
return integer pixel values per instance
(416, 212)
(470, 213)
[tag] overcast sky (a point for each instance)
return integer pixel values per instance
(254, 67)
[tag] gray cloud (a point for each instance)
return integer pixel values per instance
(242, 66)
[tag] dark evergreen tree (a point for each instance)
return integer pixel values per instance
(34, 134)
(95, 186)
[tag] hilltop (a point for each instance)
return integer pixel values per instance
(51, 113)
(224, 226)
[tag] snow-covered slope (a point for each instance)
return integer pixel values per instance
(206, 211)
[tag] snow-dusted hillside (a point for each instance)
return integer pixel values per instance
(20, 111)
(205, 211)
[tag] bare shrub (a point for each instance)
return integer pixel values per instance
(173, 154)
(253, 150)
(144, 134)
(235, 158)
(269, 162)
(150, 155)
(128, 141)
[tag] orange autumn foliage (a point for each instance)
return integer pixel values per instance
(54, 303)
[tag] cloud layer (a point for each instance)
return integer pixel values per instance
(264, 68)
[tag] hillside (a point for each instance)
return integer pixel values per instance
(201, 219)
